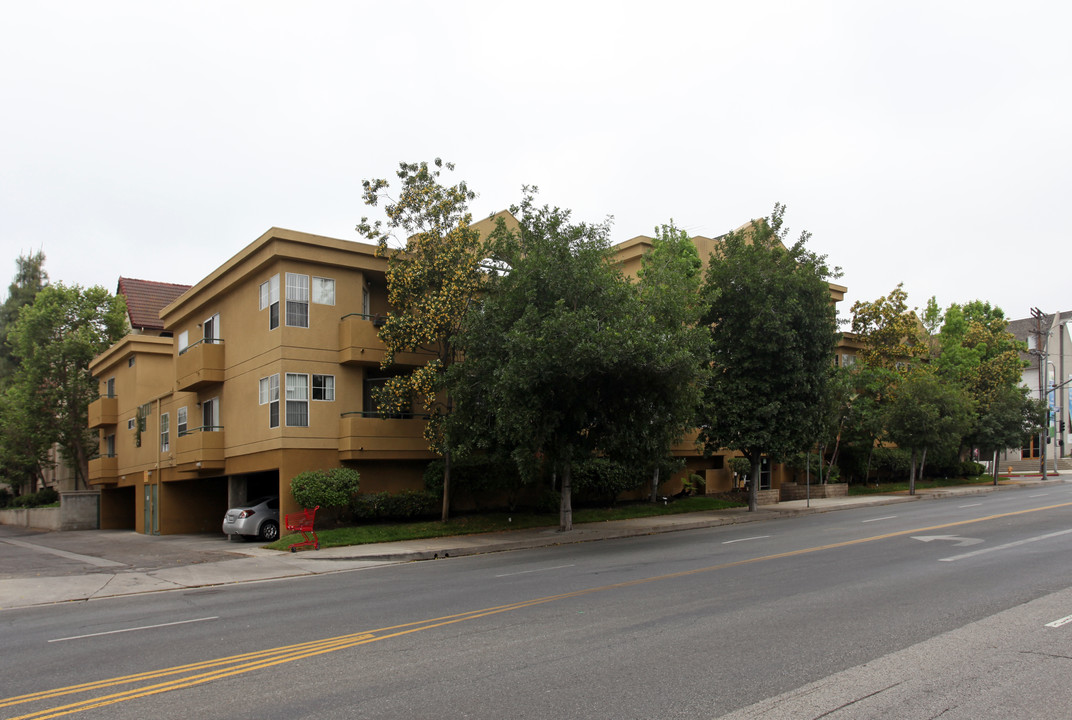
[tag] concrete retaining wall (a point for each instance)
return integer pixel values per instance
(37, 518)
(77, 511)
(767, 497)
(793, 491)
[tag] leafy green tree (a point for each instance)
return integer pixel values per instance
(1008, 418)
(24, 438)
(865, 423)
(554, 350)
(889, 331)
(30, 277)
(669, 285)
(927, 413)
(978, 352)
(773, 335)
(54, 340)
(431, 282)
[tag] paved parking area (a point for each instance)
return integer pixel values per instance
(30, 553)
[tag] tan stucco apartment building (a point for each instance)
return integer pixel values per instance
(225, 390)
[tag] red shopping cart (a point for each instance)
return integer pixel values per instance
(303, 522)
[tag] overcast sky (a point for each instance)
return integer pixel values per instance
(920, 142)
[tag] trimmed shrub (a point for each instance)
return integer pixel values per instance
(891, 462)
(971, 469)
(47, 496)
(483, 480)
(404, 505)
(601, 480)
(547, 501)
(44, 496)
(331, 488)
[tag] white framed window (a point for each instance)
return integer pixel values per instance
(130, 361)
(323, 387)
(184, 340)
(366, 303)
(297, 400)
(109, 445)
(180, 421)
(297, 300)
(131, 423)
(270, 300)
(269, 395)
(323, 291)
(109, 388)
(165, 433)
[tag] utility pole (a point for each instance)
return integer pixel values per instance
(1040, 353)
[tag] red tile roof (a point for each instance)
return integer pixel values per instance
(145, 299)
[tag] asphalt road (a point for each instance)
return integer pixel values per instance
(917, 610)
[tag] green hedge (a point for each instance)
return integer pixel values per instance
(404, 505)
(331, 488)
(44, 496)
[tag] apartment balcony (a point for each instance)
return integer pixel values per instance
(688, 445)
(200, 450)
(104, 470)
(103, 411)
(359, 343)
(368, 436)
(200, 365)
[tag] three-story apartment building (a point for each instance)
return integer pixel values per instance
(268, 372)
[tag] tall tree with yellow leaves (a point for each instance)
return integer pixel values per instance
(431, 280)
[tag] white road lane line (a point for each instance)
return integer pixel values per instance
(125, 630)
(888, 517)
(1058, 623)
(525, 572)
(969, 505)
(757, 537)
(1006, 546)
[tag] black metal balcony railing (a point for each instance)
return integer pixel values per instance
(386, 416)
(206, 341)
(378, 320)
(203, 428)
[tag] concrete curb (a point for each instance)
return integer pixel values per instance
(259, 564)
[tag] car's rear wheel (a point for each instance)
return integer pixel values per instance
(270, 531)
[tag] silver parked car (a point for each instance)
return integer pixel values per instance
(256, 519)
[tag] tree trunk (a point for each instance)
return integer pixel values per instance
(995, 467)
(81, 468)
(822, 457)
(912, 473)
(655, 485)
(837, 446)
(565, 508)
(753, 491)
(867, 470)
(922, 464)
(446, 485)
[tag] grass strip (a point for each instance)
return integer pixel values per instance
(497, 522)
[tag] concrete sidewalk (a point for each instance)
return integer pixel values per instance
(87, 565)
